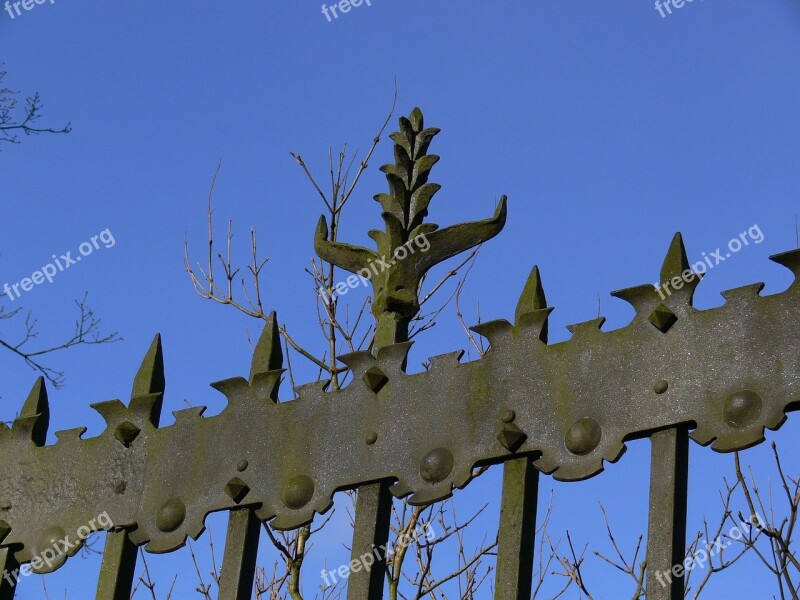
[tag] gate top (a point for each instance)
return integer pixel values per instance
(730, 371)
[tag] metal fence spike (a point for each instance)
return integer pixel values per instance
(150, 377)
(268, 355)
(35, 413)
(147, 395)
(676, 261)
(532, 297)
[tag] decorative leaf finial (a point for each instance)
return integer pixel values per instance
(408, 247)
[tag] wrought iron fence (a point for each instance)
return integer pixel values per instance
(718, 376)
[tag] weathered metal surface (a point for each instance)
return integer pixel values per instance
(517, 530)
(669, 476)
(576, 401)
(666, 531)
(395, 278)
(118, 568)
(241, 552)
(406, 251)
(519, 500)
(727, 372)
(120, 553)
(370, 530)
(244, 528)
(8, 564)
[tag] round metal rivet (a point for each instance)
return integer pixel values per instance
(508, 416)
(583, 436)
(742, 409)
(371, 438)
(170, 515)
(436, 465)
(242, 465)
(661, 386)
(298, 491)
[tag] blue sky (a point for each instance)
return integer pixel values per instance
(609, 128)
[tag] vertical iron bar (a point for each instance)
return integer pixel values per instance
(9, 564)
(517, 531)
(396, 300)
(374, 504)
(37, 408)
(118, 567)
(244, 528)
(120, 554)
(371, 530)
(669, 467)
(666, 533)
(241, 553)
(516, 534)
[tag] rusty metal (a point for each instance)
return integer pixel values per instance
(721, 375)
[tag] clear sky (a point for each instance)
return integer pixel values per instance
(608, 126)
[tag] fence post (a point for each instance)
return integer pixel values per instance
(516, 535)
(244, 528)
(120, 553)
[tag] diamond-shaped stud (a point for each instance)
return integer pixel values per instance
(237, 489)
(375, 379)
(126, 432)
(512, 437)
(663, 318)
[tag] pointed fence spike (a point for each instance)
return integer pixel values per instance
(150, 377)
(677, 276)
(532, 297)
(676, 261)
(268, 355)
(36, 403)
(147, 395)
(37, 407)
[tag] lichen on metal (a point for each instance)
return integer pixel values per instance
(727, 372)
(395, 281)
